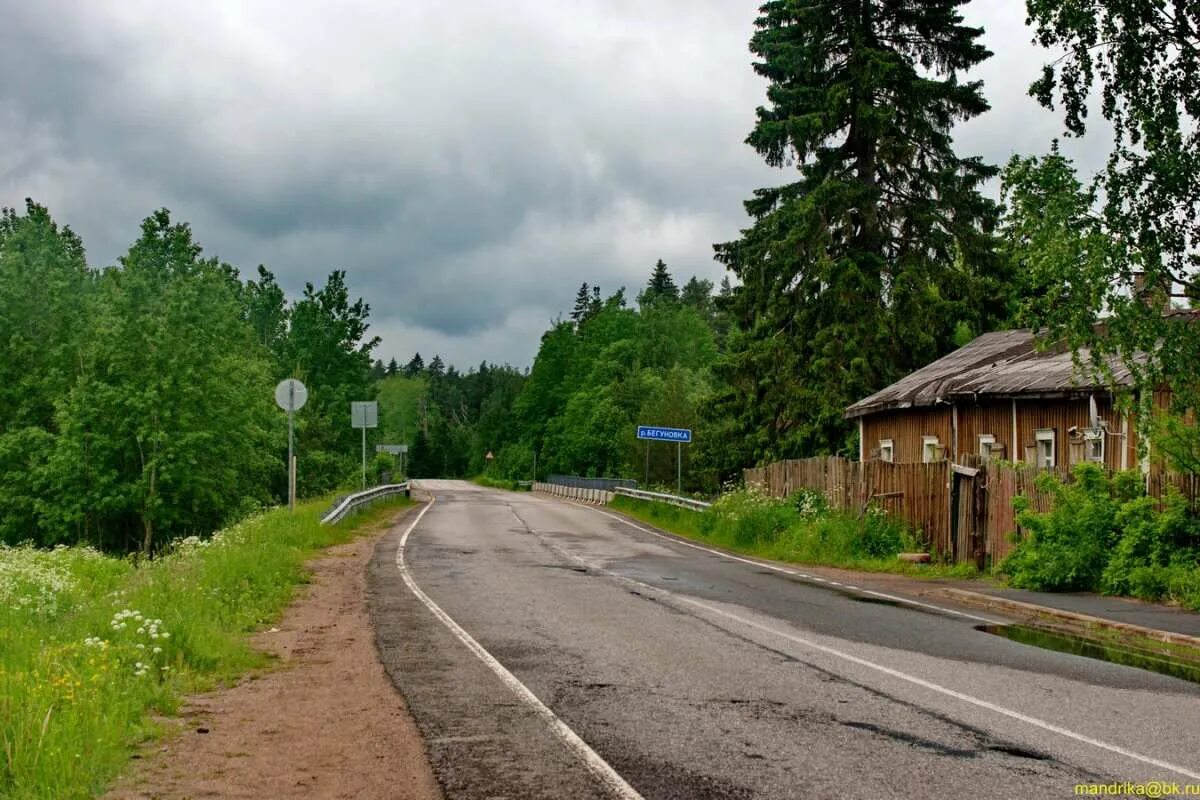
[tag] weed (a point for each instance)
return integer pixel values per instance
(92, 645)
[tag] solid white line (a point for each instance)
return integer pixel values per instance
(904, 676)
(966, 698)
(802, 575)
(590, 758)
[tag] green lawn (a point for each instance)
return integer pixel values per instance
(92, 646)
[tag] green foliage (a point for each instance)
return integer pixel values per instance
(1102, 534)
(136, 401)
(865, 267)
(92, 646)
(1143, 61)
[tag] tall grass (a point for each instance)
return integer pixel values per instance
(800, 529)
(92, 646)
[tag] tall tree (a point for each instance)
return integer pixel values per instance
(697, 294)
(1144, 57)
(45, 290)
(414, 367)
(583, 301)
(661, 286)
(436, 367)
(329, 348)
(392, 368)
(267, 312)
(863, 267)
(167, 429)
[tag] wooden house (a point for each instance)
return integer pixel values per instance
(1000, 397)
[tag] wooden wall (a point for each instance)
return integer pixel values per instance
(976, 419)
(905, 428)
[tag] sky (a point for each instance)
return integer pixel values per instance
(467, 164)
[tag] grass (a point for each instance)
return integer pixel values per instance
(92, 647)
(774, 530)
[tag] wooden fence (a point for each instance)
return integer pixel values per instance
(965, 511)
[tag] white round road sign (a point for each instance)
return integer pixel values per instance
(290, 395)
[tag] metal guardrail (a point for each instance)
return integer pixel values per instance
(354, 502)
(603, 497)
(603, 484)
(669, 499)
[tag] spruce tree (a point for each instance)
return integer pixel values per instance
(582, 304)
(437, 367)
(379, 371)
(414, 367)
(661, 286)
(862, 268)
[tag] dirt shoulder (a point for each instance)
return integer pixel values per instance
(327, 723)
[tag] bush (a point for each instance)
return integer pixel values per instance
(1103, 535)
(1066, 548)
(750, 517)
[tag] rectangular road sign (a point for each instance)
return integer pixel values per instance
(364, 414)
(393, 449)
(654, 433)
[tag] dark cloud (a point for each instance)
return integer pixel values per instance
(468, 164)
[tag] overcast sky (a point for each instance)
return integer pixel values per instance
(469, 164)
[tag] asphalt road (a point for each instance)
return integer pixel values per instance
(686, 674)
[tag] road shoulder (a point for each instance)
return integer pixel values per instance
(326, 723)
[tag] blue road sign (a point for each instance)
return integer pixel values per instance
(664, 434)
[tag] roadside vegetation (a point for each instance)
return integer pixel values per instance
(1104, 535)
(136, 400)
(93, 647)
(801, 529)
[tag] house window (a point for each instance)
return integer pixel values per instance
(1093, 445)
(887, 451)
(1044, 447)
(987, 446)
(931, 449)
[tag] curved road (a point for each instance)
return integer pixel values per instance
(512, 622)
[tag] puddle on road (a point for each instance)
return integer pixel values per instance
(1090, 648)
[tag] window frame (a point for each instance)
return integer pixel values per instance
(1091, 435)
(984, 445)
(926, 441)
(1045, 435)
(888, 446)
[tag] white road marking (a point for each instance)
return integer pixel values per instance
(904, 676)
(590, 758)
(802, 575)
(966, 698)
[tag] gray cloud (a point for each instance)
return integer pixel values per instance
(468, 164)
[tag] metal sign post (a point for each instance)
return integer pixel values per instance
(364, 414)
(680, 436)
(291, 395)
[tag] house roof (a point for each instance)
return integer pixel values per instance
(1002, 364)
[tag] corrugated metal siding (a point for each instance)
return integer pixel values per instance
(905, 428)
(977, 419)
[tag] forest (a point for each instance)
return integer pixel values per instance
(136, 404)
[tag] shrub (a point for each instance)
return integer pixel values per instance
(1066, 548)
(1150, 542)
(751, 517)
(1103, 534)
